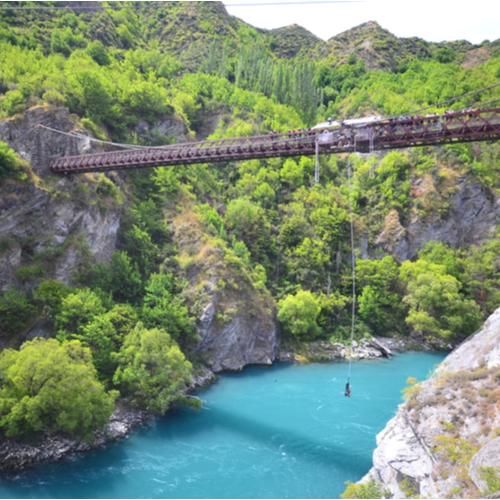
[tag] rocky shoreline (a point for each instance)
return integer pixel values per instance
(16, 456)
(326, 351)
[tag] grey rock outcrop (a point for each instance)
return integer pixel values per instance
(427, 447)
(487, 456)
(37, 145)
(471, 218)
(324, 350)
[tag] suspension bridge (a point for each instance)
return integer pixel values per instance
(357, 135)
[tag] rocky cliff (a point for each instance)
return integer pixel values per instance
(235, 318)
(443, 442)
(52, 226)
(467, 216)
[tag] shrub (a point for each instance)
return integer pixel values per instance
(98, 53)
(49, 295)
(29, 272)
(51, 387)
(10, 164)
(166, 309)
(436, 306)
(77, 309)
(120, 278)
(152, 370)
(492, 477)
(370, 489)
(13, 102)
(16, 311)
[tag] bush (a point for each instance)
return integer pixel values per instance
(152, 370)
(299, 314)
(29, 272)
(10, 164)
(436, 306)
(51, 387)
(370, 489)
(98, 53)
(13, 102)
(163, 308)
(49, 295)
(120, 278)
(248, 222)
(16, 311)
(77, 310)
(380, 304)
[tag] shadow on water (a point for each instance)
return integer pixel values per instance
(286, 440)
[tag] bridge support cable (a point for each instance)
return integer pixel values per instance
(353, 279)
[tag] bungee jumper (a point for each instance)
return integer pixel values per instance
(347, 392)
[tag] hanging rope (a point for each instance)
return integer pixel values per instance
(353, 266)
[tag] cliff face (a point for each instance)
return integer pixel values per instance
(52, 222)
(443, 441)
(235, 318)
(470, 219)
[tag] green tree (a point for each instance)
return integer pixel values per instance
(248, 222)
(98, 53)
(120, 277)
(11, 165)
(49, 296)
(437, 309)
(298, 313)
(370, 489)
(165, 308)
(481, 275)
(152, 370)
(51, 387)
(103, 340)
(379, 303)
(123, 317)
(77, 310)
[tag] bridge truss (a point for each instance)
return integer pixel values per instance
(400, 132)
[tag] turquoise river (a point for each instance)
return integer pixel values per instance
(284, 431)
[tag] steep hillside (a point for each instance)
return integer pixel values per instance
(443, 442)
(378, 48)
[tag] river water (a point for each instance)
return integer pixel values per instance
(284, 431)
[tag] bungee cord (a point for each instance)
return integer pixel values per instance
(353, 278)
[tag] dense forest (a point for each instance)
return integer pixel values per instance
(127, 327)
